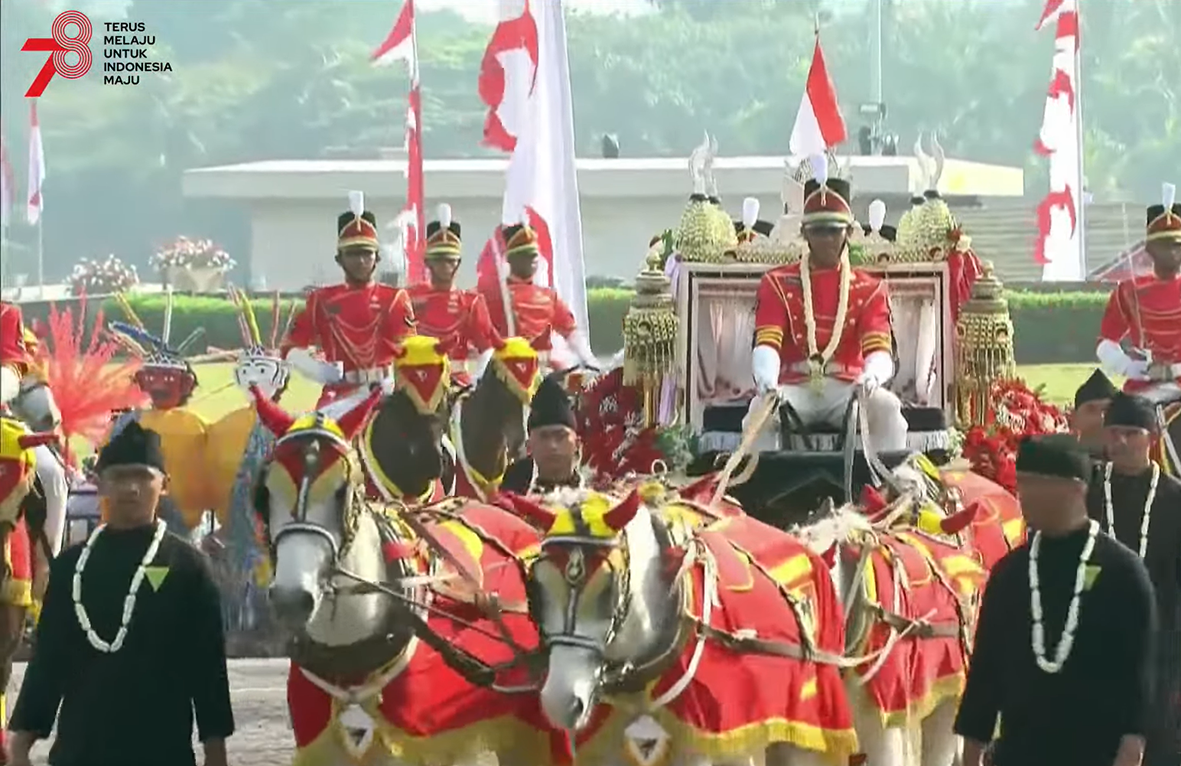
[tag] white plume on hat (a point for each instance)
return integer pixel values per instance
(877, 215)
(1168, 195)
(445, 215)
(357, 202)
(819, 165)
(750, 212)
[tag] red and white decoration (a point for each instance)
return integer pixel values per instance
(36, 167)
(1059, 245)
(7, 184)
(525, 82)
(402, 45)
(819, 123)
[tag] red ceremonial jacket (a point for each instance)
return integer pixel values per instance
(1146, 311)
(356, 326)
(779, 320)
(459, 318)
(14, 348)
(536, 310)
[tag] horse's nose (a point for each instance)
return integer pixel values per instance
(293, 606)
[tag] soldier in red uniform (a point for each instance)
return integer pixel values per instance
(355, 325)
(1147, 312)
(537, 311)
(458, 318)
(822, 328)
(15, 355)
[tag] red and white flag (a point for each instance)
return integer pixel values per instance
(1059, 245)
(36, 167)
(402, 45)
(525, 81)
(819, 123)
(7, 184)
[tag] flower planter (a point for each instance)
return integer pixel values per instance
(195, 279)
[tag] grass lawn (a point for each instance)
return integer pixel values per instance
(218, 395)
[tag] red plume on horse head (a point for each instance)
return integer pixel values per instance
(960, 520)
(29, 441)
(354, 420)
(276, 419)
(621, 515)
(534, 513)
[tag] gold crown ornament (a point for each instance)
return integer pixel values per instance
(650, 332)
(983, 348)
(700, 236)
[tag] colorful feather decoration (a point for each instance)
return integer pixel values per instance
(87, 379)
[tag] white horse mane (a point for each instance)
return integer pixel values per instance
(844, 523)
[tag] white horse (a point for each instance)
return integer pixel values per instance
(609, 596)
(35, 406)
(846, 539)
(352, 583)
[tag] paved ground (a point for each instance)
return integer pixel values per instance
(257, 687)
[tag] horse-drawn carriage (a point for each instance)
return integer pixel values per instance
(952, 340)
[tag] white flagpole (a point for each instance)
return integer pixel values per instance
(41, 256)
(1080, 133)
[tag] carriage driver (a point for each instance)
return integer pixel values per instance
(355, 325)
(1147, 311)
(822, 328)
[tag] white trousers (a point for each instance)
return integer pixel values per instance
(828, 405)
(1162, 393)
(53, 478)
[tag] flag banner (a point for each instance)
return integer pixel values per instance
(1058, 248)
(532, 110)
(36, 202)
(401, 45)
(819, 124)
(7, 184)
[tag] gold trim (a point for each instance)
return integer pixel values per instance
(1168, 234)
(349, 241)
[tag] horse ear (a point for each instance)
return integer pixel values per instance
(618, 517)
(399, 351)
(29, 441)
(960, 520)
(534, 513)
(351, 422)
(270, 414)
(540, 339)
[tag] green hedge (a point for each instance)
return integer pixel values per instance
(1051, 328)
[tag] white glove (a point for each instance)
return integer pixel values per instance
(481, 365)
(765, 369)
(1137, 369)
(581, 347)
(324, 373)
(879, 369)
(387, 386)
(10, 384)
(869, 382)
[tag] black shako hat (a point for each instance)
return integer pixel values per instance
(1131, 412)
(1058, 455)
(551, 405)
(1097, 388)
(134, 445)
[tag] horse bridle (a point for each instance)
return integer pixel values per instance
(575, 574)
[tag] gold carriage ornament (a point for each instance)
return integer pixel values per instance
(983, 348)
(650, 332)
(705, 233)
(929, 232)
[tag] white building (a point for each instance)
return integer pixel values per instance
(294, 204)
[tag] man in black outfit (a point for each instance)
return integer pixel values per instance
(128, 679)
(1063, 651)
(554, 448)
(1137, 503)
(1090, 404)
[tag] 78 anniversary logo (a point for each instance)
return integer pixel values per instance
(61, 43)
(72, 32)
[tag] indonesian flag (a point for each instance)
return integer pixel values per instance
(7, 184)
(1059, 244)
(402, 45)
(36, 167)
(819, 123)
(527, 90)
